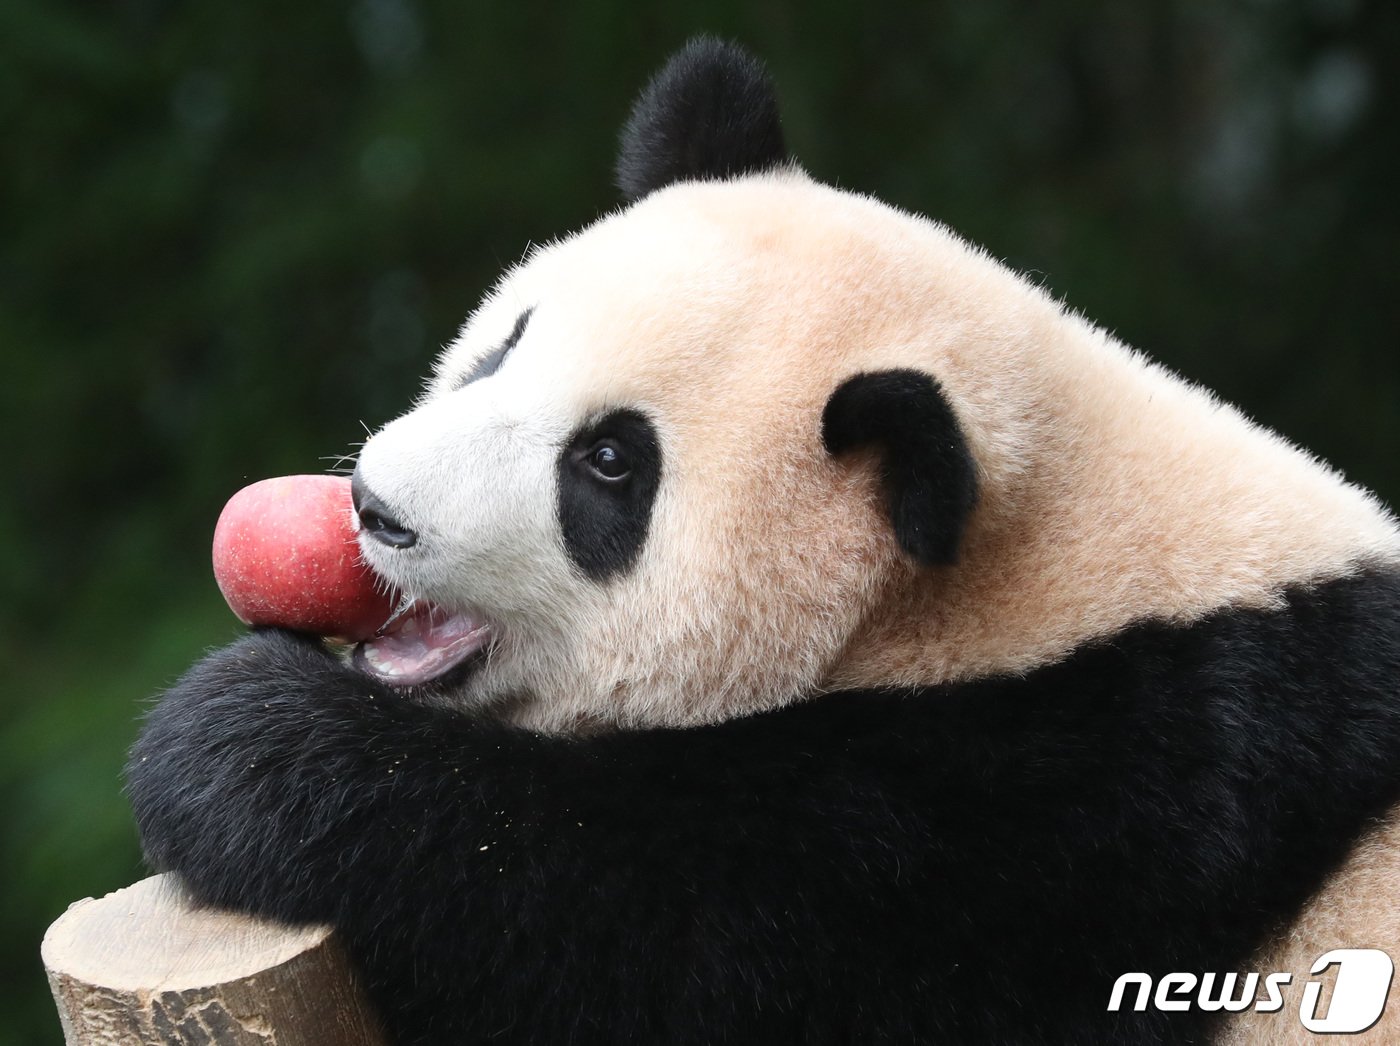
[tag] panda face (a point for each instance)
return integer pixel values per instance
(620, 502)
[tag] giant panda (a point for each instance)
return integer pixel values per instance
(815, 634)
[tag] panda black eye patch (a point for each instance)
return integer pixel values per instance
(491, 362)
(609, 471)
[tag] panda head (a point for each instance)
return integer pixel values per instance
(752, 437)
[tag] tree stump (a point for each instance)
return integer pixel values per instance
(144, 965)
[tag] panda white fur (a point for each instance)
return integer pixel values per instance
(820, 635)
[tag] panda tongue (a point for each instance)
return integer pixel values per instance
(421, 646)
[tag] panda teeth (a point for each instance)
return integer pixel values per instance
(382, 665)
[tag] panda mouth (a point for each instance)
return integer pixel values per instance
(422, 646)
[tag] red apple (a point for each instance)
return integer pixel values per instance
(285, 554)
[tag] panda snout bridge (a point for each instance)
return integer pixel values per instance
(375, 518)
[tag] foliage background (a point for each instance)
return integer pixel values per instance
(230, 234)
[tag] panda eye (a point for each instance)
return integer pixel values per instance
(608, 473)
(606, 460)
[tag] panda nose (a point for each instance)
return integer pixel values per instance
(375, 518)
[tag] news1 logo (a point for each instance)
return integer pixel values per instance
(1358, 995)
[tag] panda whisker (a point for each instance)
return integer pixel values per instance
(406, 605)
(344, 463)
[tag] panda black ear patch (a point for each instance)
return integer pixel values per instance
(929, 476)
(709, 113)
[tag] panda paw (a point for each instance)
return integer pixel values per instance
(225, 781)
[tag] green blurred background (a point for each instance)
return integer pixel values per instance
(231, 234)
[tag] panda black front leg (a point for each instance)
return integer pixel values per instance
(246, 778)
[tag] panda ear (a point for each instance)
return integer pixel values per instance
(929, 476)
(709, 113)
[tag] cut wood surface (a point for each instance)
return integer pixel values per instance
(145, 966)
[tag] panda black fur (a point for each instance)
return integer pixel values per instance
(965, 838)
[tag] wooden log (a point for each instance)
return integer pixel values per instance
(145, 966)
